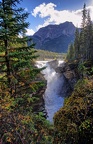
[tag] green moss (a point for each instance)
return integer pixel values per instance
(74, 121)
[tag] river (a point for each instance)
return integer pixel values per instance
(52, 97)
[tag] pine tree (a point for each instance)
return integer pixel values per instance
(84, 17)
(86, 36)
(83, 36)
(70, 54)
(89, 31)
(77, 44)
(19, 86)
(17, 70)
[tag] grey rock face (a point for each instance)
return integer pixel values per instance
(70, 78)
(54, 31)
(54, 38)
(66, 88)
(53, 64)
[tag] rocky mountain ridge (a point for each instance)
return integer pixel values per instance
(54, 38)
(54, 31)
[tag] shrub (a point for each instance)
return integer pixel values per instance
(73, 122)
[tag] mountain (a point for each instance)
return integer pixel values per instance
(55, 38)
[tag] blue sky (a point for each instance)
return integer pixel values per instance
(45, 12)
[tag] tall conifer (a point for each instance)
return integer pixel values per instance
(83, 36)
(89, 31)
(16, 58)
(70, 54)
(19, 87)
(77, 44)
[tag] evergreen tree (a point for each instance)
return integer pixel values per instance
(70, 54)
(19, 86)
(84, 17)
(83, 36)
(16, 58)
(86, 36)
(89, 32)
(77, 44)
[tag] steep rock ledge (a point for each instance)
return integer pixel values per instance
(71, 76)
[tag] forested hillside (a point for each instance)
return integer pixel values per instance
(82, 48)
(74, 122)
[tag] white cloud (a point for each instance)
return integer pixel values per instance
(43, 10)
(90, 8)
(54, 16)
(30, 32)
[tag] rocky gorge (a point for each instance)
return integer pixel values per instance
(70, 75)
(60, 79)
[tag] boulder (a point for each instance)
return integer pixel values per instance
(53, 64)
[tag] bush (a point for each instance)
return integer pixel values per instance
(74, 122)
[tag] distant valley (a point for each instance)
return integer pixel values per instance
(48, 55)
(55, 38)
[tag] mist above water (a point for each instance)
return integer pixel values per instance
(53, 99)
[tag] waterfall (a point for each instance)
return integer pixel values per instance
(52, 97)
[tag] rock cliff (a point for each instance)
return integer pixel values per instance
(71, 76)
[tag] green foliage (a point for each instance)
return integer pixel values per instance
(16, 58)
(74, 122)
(77, 45)
(18, 124)
(85, 69)
(19, 84)
(20, 88)
(83, 43)
(82, 69)
(70, 55)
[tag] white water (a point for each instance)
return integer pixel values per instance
(52, 97)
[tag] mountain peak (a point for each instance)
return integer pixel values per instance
(55, 37)
(53, 31)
